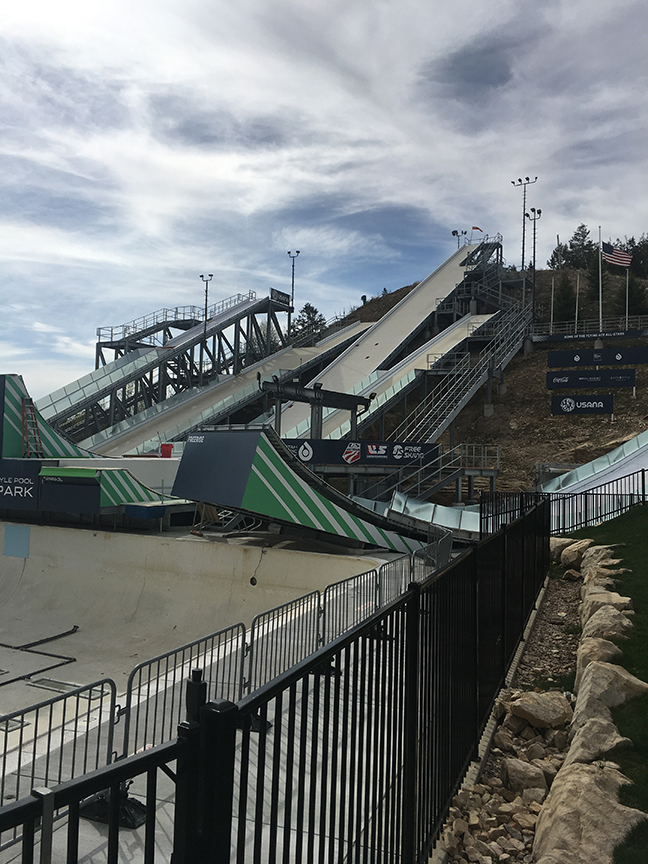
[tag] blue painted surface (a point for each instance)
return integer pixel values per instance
(16, 541)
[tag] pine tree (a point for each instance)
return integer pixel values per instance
(564, 299)
(581, 249)
(637, 299)
(309, 320)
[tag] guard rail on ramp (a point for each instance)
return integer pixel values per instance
(624, 460)
(373, 350)
(175, 417)
(254, 472)
(387, 385)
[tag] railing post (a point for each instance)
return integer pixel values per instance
(218, 724)
(409, 842)
(47, 823)
(186, 848)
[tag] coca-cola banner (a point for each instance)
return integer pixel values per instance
(598, 378)
(325, 452)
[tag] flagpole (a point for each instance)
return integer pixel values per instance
(627, 281)
(577, 290)
(600, 282)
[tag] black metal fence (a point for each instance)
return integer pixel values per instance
(352, 754)
(569, 511)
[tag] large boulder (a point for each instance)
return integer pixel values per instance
(519, 775)
(607, 623)
(595, 555)
(594, 600)
(603, 686)
(581, 821)
(557, 545)
(591, 649)
(572, 555)
(543, 710)
(593, 740)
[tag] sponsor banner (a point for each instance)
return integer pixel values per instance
(325, 452)
(600, 378)
(573, 337)
(19, 485)
(599, 357)
(280, 297)
(582, 404)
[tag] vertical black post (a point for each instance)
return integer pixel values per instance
(186, 848)
(218, 723)
(411, 731)
(643, 485)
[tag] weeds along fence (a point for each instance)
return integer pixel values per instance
(569, 511)
(354, 752)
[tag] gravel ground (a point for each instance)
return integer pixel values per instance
(550, 652)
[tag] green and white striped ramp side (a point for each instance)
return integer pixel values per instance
(12, 394)
(118, 487)
(254, 472)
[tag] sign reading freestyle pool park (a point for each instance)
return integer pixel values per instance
(582, 404)
(591, 378)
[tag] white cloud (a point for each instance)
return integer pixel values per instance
(145, 142)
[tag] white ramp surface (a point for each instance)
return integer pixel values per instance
(378, 343)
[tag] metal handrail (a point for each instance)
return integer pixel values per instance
(175, 313)
(592, 326)
(428, 420)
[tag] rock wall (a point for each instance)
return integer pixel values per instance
(547, 794)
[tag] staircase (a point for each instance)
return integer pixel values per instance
(32, 444)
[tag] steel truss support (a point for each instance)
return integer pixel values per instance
(230, 342)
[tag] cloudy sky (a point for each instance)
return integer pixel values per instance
(144, 143)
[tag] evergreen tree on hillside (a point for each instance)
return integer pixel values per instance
(309, 320)
(637, 298)
(558, 256)
(581, 249)
(564, 299)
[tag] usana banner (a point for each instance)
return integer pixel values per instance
(582, 404)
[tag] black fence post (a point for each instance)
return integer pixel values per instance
(185, 826)
(218, 723)
(409, 834)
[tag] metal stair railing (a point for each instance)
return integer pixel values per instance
(435, 413)
(419, 474)
(32, 443)
(161, 316)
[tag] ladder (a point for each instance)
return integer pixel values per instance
(32, 444)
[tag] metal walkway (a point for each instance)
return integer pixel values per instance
(173, 419)
(233, 339)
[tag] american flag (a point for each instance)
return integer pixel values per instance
(615, 256)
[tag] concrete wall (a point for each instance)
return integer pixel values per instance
(134, 596)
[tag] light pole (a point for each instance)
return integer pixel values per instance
(206, 279)
(459, 235)
(523, 183)
(292, 256)
(536, 215)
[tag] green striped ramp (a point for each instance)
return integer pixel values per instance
(275, 490)
(54, 446)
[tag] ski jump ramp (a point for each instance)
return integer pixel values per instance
(371, 350)
(624, 460)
